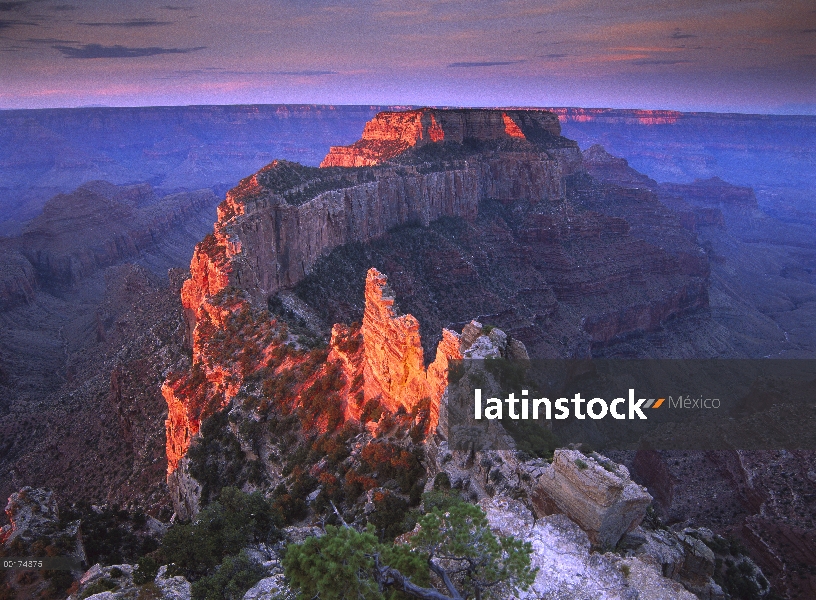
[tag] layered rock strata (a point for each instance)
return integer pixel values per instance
(94, 227)
(394, 368)
(598, 495)
(275, 225)
(614, 256)
(392, 133)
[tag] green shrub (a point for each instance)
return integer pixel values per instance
(235, 575)
(390, 515)
(58, 584)
(97, 587)
(221, 529)
(440, 500)
(442, 481)
(346, 564)
(147, 571)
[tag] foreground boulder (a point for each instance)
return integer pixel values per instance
(594, 492)
(116, 583)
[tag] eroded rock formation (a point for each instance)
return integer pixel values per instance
(385, 355)
(596, 494)
(394, 365)
(392, 133)
(276, 224)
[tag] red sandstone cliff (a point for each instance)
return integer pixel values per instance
(383, 359)
(276, 224)
(391, 133)
(626, 116)
(394, 368)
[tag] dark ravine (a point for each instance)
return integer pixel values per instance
(88, 329)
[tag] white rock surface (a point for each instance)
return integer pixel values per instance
(103, 596)
(172, 588)
(567, 568)
(266, 589)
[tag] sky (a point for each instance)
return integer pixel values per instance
(703, 55)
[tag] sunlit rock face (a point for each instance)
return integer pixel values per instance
(269, 236)
(628, 116)
(391, 133)
(394, 368)
(274, 226)
(383, 358)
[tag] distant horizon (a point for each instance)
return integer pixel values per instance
(417, 106)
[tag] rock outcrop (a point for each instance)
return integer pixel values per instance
(595, 493)
(567, 569)
(275, 225)
(392, 133)
(612, 169)
(379, 363)
(116, 582)
(394, 369)
(18, 281)
(32, 513)
(617, 256)
(385, 355)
